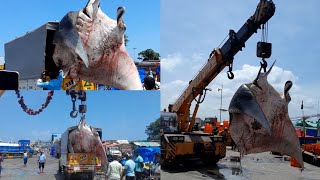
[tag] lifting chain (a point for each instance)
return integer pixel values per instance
(31, 111)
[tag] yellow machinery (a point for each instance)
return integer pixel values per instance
(179, 141)
(82, 163)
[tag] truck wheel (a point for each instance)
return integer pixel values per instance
(60, 169)
(67, 176)
(91, 175)
(210, 160)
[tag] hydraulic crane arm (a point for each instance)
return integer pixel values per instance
(218, 60)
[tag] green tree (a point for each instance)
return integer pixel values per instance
(153, 130)
(148, 54)
(126, 40)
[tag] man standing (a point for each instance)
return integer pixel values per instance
(115, 169)
(139, 165)
(128, 170)
(25, 158)
(42, 161)
(1, 160)
(224, 134)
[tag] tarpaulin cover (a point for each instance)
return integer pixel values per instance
(53, 150)
(147, 153)
(158, 70)
(142, 74)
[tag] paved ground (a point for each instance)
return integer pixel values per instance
(255, 166)
(14, 169)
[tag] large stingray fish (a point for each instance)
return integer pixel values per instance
(85, 139)
(90, 46)
(259, 119)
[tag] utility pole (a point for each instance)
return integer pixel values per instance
(220, 101)
(303, 124)
(134, 54)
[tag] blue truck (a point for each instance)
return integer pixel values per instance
(15, 150)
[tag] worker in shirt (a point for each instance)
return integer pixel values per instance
(139, 166)
(224, 134)
(115, 169)
(129, 166)
(53, 84)
(42, 161)
(25, 158)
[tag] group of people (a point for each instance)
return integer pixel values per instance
(41, 161)
(131, 169)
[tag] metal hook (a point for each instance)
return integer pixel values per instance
(263, 65)
(74, 112)
(230, 74)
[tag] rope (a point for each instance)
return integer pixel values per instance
(31, 111)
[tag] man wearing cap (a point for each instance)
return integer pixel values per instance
(42, 161)
(115, 169)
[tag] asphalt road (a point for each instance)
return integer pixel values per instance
(254, 166)
(15, 169)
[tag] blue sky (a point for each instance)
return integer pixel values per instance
(189, 32)
(142, 19)
(120, 114)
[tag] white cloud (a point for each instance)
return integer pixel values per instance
(36, 134)
(171, 62)
(172, 87)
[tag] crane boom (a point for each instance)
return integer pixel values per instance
(219, 59)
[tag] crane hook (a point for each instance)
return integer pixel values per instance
(74, 112)
(230, 74)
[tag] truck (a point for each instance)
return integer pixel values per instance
(77, 164)
(35, 62)
(112, 150)
(179, 140)
(15, 150)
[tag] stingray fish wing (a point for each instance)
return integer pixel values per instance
(245, 102)
(68, 35)
(289, 143)
(99, 149)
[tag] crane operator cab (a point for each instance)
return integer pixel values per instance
(168, 122)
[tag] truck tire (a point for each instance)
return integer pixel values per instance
(60, 169)
(207, 160)
(91, 175)
(67, 176)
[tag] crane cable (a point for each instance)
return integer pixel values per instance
(31, 111)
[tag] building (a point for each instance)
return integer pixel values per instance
(147, 65)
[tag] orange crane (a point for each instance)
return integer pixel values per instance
(178, 140)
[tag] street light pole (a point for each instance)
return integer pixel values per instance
(220, 100)
(134, 53)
